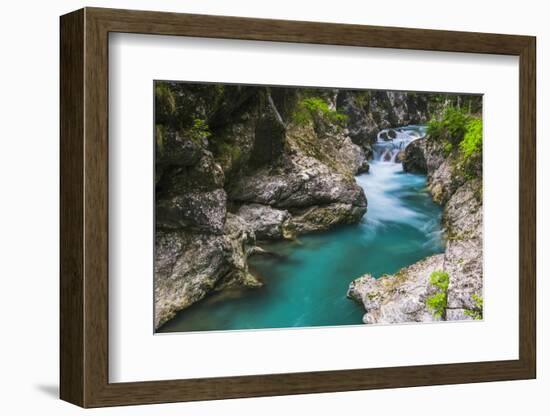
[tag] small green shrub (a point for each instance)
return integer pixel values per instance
(440, 280)
(437, 303)
(315, 107)
(476, 313)
(435, 129)
(199, 129)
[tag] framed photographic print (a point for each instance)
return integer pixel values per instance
(256, 207)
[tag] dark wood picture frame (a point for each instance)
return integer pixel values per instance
(84, 207)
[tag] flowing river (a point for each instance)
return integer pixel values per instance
(307, 280)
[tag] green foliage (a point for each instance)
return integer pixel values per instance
(165, 99)
(451, 127)
(437, 303)
(476, 313)
(199, 129)
(310, 108)
(440, 279)
(461, 135)
(473, 139)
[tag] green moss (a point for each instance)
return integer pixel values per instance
(165, 98)
(447, 148)
(227, 152)
(476, 313)
(437, 303)
(160, 132)
(473, 138)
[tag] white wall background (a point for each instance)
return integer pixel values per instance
(29, 209)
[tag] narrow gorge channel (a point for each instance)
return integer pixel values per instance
(306, 280)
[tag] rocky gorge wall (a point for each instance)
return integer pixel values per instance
(233, 166)
(414, 293)
(369, 112)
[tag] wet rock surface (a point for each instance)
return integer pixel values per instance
(413, 158)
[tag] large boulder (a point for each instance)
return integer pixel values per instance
(176, 149)
(300, 183)
(413, 158)
(187, 267)
(316, 196)
(198, 211)
(190, 265)
(322, 218)
(397, 298)
(313, 182)
(267, 223)
(192, 196)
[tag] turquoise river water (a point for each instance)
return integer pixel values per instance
(307, 280)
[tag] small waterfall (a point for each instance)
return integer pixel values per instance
(385, 186)
(390, 142)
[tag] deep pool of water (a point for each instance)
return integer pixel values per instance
(307, 280)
